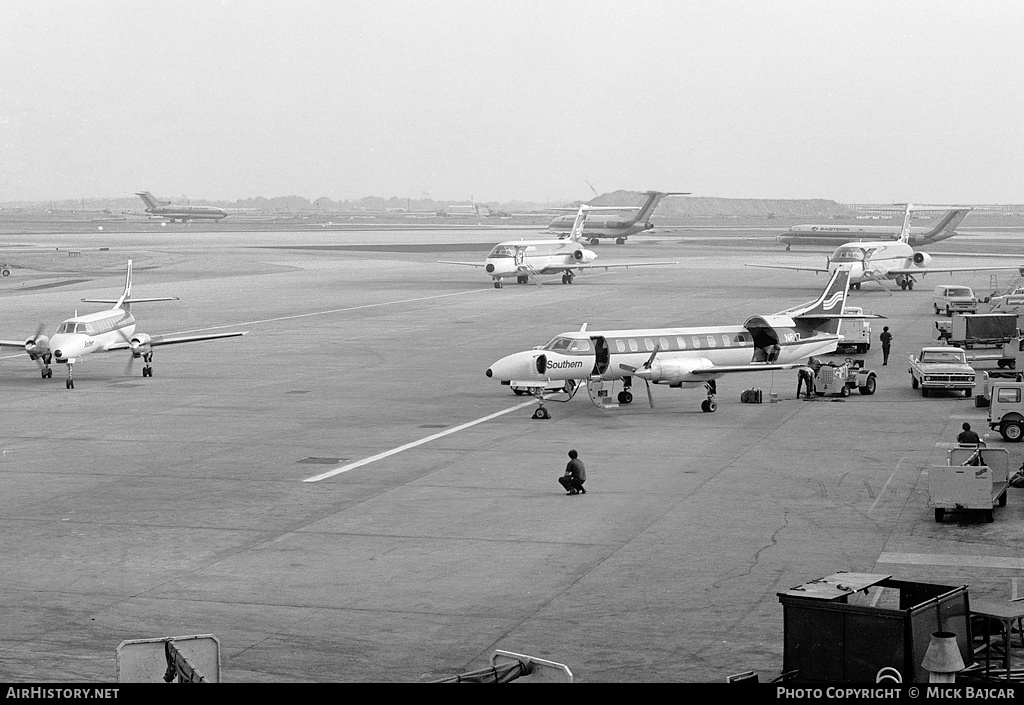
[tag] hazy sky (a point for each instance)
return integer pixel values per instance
(855, 101)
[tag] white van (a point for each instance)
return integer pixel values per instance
(954, 298)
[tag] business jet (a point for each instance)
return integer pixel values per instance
(179, 213)
(104, 331)
(678, 357)
(620, 230)
(883, 261)
(526, 260)
(840, 234)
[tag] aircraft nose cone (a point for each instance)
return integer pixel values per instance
(489, 372)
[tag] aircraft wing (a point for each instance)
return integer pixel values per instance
(464, 264)
(716, 370)
(819, 270)
(610, 265)
(157, 340)
(930, 270)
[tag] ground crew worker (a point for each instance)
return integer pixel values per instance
(886, 338)
(575, 475)
(804, 377)
(968, 437)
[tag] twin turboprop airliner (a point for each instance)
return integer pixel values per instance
(526, 260)
(112, 329)
(620, 230)
(679, 357)
(882, 261)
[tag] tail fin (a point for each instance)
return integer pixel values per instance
(576, 233)
(946, 227)
(904, 235)
(653, 199)
(125, 300)
(826, 312)
(149, 200)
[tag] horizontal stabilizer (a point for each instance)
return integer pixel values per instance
(843, 316)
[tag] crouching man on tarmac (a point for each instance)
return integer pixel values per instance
(575, 475)
(805, 377)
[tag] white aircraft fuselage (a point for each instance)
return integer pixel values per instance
(869, 261)
(94, 332)
(687, 357)
(516, 258)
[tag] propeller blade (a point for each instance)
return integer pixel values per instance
(650, 397)
(650, 360)
(627, 368)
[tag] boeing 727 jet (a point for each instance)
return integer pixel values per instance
(620, 230)
(678, 357)
(526, 260)
(164, 209)
(839, 234)
(104, 331)
(883, 261)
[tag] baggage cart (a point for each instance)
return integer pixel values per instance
(973, 478)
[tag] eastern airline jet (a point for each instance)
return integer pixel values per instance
(614, 228)
(679, 357)
(527, 259)
(112, 329)
(839, 234)
(885, 260)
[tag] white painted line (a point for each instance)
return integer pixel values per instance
(336, 310)
(407, 446)
(952, 560)
(882, 491)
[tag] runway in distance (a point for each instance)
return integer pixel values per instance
(527, 260)
(839, 234)
(179, 213)
(678, 357)
(104, 331)
(601, 228)
(883, 261)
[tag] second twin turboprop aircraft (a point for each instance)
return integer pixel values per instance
(103, 331)
(679, 357)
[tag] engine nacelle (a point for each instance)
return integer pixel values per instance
(678, 371)
(921, 259)
(140, 344)
(583, 256)
(37, 346)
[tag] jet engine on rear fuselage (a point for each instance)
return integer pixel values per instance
(583, 256)
(921, 259)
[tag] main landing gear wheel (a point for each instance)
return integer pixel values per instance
(625, 397)
(567, 278)
(620, 241)
(497, 284)
(541, 413)
(708, 406)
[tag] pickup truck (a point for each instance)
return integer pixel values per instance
(1006, 409)
(941, 368)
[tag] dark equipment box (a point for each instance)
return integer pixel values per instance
(846, 627)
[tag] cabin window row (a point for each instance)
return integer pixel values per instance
(679, 342)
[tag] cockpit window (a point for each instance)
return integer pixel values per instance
(563, 343)
(579, 346)
(848, 254)
(503, 251)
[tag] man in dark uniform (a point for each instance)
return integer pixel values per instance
(968, 437)
(886, 338)
(575, 475)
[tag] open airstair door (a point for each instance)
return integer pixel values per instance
(602, 356)
(767, 332)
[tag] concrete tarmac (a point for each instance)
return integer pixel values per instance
(188, 503)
